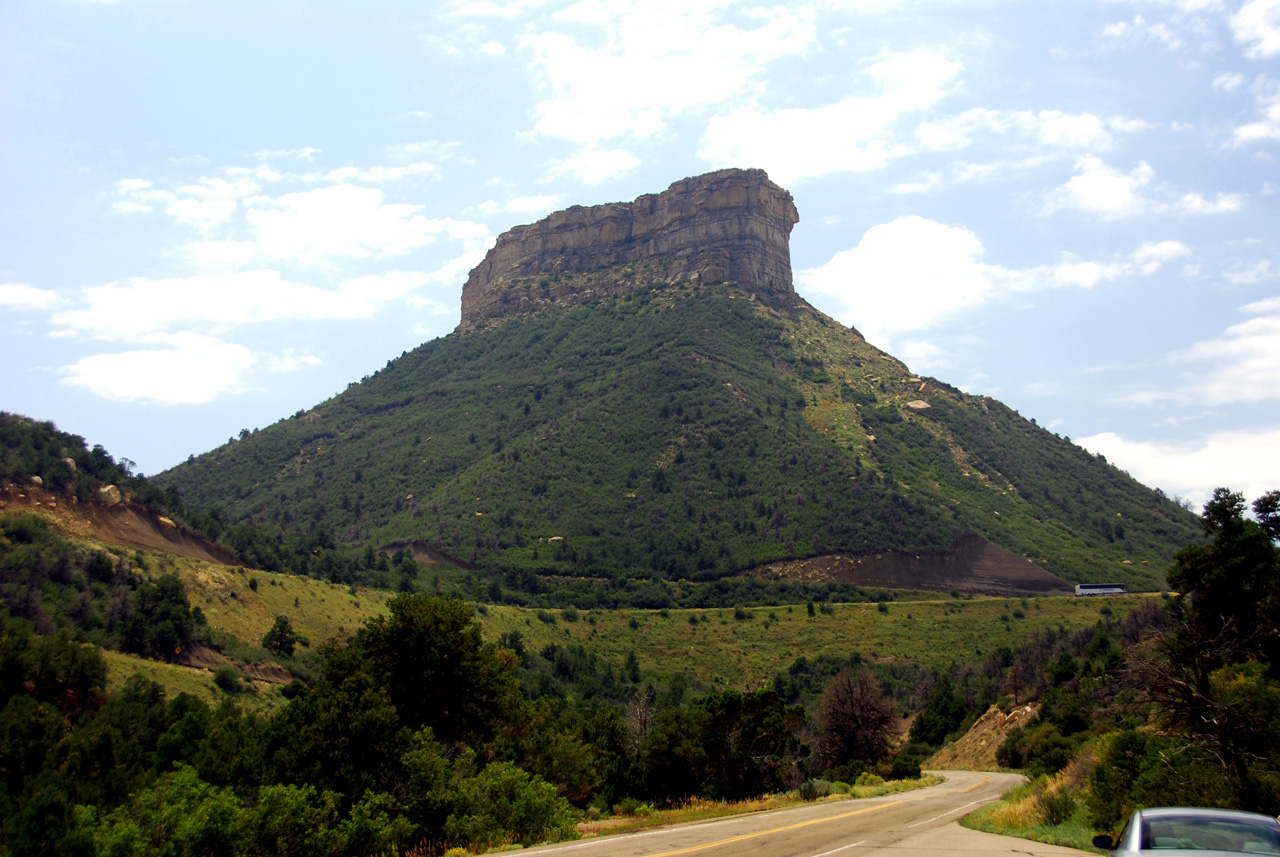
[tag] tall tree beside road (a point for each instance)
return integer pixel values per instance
(1213, 677)
(856, 720)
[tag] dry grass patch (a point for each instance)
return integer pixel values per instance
(319, 610)
(1047, 810)
(261, 697)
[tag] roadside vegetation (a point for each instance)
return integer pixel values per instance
(1189, 714)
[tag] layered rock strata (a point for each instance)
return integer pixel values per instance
(727, 226)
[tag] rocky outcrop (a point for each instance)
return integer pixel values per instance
(727, 226)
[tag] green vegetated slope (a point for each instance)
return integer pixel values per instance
(726, 649)
(682, 434)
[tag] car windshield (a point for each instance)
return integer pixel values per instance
(1217, 834)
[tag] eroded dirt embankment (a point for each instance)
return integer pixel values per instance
(976, 749)
(122, 525)
(975, 565)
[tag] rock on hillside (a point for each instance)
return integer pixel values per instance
(729, 225)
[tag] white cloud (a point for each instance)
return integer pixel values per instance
(1228, 82)
(1113, 195)
(1239, 365)
(186, 369)
(649, 61)
(381, 174)
(912, 274)
(262, 172)
(203, 214)
(922, 356)
(961, 172)
(1256, 273)
(1257, 23)
(1152, 255)
(1098, 189)
(1027, 139)
(1245, 460)
(21, 296)
(1266, 305)
(855, 134)
(873, 279)
(321, 226)
(435, 149)
(142, 308)
(510, 9)
(1245, 359)
(306, 153)
(1267, 127)
(527, 206)
(594, 166)
(203, 205)
(1141, 30)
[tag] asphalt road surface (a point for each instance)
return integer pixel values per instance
(912, 824)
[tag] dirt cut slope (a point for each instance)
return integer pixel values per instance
(123, 524)
(975, 565)
(976, 749)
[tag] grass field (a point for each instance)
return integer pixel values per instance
(723, 649)
(720, 650)
(724, 652)
(316, 609)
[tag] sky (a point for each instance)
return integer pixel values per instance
(213, 215)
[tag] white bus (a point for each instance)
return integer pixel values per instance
(1101, 589)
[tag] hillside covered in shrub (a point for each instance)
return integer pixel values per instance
(677, 434)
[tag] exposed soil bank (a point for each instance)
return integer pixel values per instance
(975, 565)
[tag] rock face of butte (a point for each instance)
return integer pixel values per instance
(727, 226)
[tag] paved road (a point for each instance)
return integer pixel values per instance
(913, 824)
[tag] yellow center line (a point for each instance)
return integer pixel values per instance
(810, 822)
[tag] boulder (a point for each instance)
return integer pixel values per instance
(109, 495)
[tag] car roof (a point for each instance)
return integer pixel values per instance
(1204, 812)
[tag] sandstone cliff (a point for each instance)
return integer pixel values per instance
(726, 226)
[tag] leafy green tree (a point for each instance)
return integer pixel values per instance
(1230, 587)
(1039, 748)
(342, 736)
(281, 639)
(162, 625)
(437, 670)
(751, 741)
(943, 712)
(180, 816)
(503, 805)
(1213, 677)
(293, 821)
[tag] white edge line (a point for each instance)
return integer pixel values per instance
(600, 840)
(949, 812)
(838, 850)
